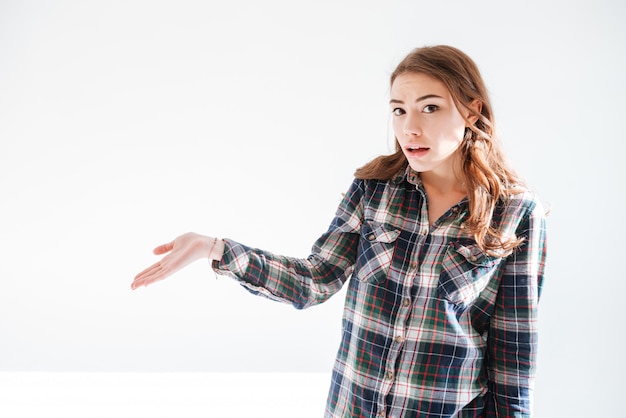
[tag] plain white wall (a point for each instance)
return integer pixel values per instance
(126, 123)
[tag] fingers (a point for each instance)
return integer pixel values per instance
(158, 271)
(162, 249)
(152, 274)
(144, 278)
(149, 271)
(176, 259)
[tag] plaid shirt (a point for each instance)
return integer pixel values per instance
(432, 327)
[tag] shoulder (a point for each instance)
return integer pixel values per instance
(368, 186)
(373, 193)
(520, 212)
(524, 201)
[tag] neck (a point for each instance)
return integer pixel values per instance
(442, 191)
(447, 178)
(443, 183)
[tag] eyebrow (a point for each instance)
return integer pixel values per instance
(419, 99)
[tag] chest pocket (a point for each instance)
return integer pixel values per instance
(376, 249)
(465, 273)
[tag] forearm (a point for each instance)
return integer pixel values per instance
(512, 365)
(300, 282)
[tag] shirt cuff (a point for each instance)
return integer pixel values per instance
(234, 261)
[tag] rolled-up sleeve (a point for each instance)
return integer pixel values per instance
(302, 282)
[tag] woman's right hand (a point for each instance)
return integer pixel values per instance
(184, 250)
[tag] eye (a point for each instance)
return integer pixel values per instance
(430, 108)
(398, 111)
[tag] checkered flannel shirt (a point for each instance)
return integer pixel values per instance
(432, 326)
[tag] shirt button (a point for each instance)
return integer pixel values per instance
(398, 339)
(473, 258)
(413, 266)
(389, 375)
(372, 237)
(381, 413)
(406, 302)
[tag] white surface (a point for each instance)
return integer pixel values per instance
(166, 395)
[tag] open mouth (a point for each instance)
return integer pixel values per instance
(416, 150)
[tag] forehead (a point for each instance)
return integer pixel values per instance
(418, 84)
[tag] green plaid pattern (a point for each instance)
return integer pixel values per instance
(432, 326)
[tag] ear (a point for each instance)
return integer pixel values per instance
(474, 109)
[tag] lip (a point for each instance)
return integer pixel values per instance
(415, 150)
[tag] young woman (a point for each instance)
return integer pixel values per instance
(442, 247)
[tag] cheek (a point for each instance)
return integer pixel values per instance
(455, 129)
(397, 129)
(459, 133)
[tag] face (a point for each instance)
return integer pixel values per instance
(426, 122)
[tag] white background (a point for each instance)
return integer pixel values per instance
(126, 123)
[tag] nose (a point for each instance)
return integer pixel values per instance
(411, 125)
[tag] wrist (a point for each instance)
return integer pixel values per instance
(216, 249)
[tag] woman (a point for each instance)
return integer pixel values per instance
(445, 251)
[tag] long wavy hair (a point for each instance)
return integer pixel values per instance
(488, 176)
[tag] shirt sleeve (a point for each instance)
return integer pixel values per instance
(512, 343)
(301, 282)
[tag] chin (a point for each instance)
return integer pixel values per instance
(420, 168)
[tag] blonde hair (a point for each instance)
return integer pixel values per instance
(488, 176)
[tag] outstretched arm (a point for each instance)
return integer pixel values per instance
(183, 251)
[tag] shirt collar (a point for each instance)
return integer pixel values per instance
(409, 175)
(413, 177)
